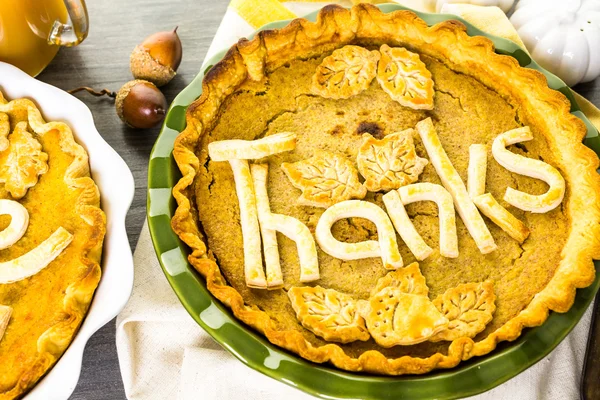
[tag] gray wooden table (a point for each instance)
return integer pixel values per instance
(102, 61)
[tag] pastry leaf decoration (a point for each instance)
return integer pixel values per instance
(408, 279)
(389, 163)
(394, 318)
(325, 179)
(345, 73)
(405, 78)
(398, 311)
(328, 313)
(22, 162)
(468, 307)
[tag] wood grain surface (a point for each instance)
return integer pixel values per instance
(102, 61)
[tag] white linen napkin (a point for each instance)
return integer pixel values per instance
(164, 354)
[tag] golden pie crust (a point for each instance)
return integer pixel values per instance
(520, 97)
(46, 309)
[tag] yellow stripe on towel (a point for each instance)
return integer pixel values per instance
(261, 12)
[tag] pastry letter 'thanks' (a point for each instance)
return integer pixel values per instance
(386, 247)
(292, 228)
(529, 167)
(431, 192)
(237, 152)
(454, 184)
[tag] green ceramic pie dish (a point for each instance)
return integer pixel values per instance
(469, 378)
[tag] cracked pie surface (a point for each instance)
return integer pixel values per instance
(384, 196)
(51, 235)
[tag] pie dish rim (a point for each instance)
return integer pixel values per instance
(116, 186)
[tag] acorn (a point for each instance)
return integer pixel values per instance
(140, 104)
(157, 58)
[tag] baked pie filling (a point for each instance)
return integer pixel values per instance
(51, 235)
(375, 197)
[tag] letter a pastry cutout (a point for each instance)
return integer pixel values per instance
(529, 167)
(292, 228)
(454, 184)
(386, 247)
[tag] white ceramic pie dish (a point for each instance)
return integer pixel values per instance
(116, 189)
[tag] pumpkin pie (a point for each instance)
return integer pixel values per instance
(51, 235)
(385, 196)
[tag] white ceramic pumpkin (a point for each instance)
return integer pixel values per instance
(436, 5)
(563, 36)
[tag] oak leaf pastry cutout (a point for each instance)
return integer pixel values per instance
(389, 163)
(405, 78)
(529, 167)
(4, 131)
(238, 152)
(5, 314)
(291, 227)
(386, 247)
(345, 73)
(409, 279)
(22, 163)
(396, 318)
(468, 307)
(328, 313)
(325, 179)
(454, 184)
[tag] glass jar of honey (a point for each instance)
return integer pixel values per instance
(32, 31)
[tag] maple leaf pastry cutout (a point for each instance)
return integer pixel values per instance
(345, 73)
(389, 163)
(468, 307)
(399, 311)
(325, 179)
(405, 78)
(22, 163)
(328, 313)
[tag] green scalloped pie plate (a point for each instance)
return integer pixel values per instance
(469, 378)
